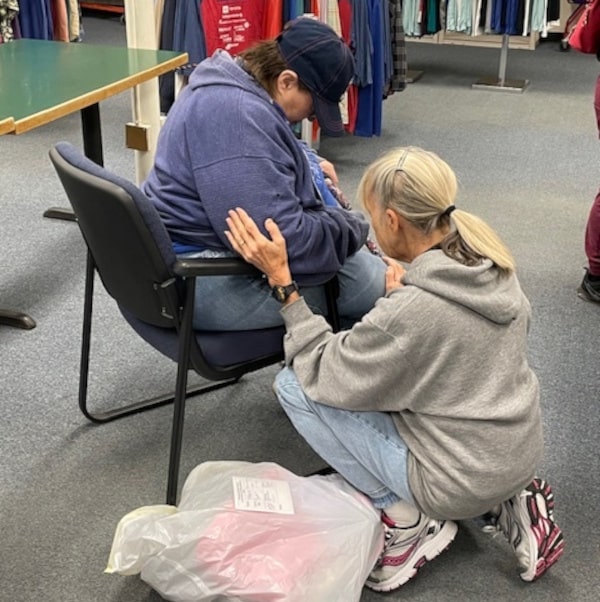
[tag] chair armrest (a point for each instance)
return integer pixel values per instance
(234, 266)
(219, 266)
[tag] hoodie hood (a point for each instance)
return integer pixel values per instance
(479, 288)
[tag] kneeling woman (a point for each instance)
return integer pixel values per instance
(428, 404)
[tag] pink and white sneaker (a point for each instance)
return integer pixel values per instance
(406, 550)
(527, 521)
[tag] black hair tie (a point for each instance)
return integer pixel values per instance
(449, 210)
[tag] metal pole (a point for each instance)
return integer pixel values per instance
(501, 83)
(141, 33)
(503, 58)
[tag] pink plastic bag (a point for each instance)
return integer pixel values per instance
(253, 533)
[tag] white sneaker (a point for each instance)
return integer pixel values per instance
(406, 550)
(527, 521)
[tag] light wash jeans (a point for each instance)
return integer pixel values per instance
(246, 303)
(364, 447)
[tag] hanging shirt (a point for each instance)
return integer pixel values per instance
(232, 26)
(397, 81)
(35, 19)
(273, 19)
(10, 9)
(370, 97)
(187, 33)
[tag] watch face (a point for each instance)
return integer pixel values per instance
(281, 293)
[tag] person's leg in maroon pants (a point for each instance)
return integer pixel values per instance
(590, 286)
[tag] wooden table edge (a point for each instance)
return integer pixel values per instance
(7, 125)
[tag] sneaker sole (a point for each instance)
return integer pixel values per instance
(428, 552)
(545, 535)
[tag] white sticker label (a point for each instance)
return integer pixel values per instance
(262, 495)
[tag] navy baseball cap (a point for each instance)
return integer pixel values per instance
(324, 64)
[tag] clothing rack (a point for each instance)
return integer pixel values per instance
(501, 83)
(532, 22)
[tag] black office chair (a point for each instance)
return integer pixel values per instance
(130, 249)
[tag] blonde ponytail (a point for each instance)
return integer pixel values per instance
(473, 239)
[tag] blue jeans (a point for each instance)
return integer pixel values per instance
(246, 303)
(364, 447)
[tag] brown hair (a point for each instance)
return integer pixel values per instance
(265, 63)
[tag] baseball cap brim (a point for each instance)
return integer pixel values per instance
(328, 116)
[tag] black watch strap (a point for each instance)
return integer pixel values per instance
(281, 293)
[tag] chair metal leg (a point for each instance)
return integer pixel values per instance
(131, 408)
(185, 338)
(16, 319)
(84, 365)
(84, 362)
(182, 392)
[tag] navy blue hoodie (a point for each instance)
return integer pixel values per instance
(227, 144)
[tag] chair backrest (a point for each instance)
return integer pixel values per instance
(127, 240)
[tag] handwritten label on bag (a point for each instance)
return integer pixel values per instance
(262, 495)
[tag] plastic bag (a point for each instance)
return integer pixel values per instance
(253, 533)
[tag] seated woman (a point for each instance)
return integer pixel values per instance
(228, 141)
(428, 404)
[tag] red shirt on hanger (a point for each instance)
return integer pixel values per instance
(233, 26)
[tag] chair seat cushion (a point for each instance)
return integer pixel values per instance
(220, 348)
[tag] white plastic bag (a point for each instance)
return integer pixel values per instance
(253, 533)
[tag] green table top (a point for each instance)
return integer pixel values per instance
(42, 80)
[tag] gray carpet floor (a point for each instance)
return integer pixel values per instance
(527, 162)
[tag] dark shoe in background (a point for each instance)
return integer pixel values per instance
(589, 289)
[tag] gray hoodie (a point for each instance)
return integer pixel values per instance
(446, 355)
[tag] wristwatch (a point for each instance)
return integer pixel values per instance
(281, 293)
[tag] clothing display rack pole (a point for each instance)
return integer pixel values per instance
(501, 83)
(142, 132)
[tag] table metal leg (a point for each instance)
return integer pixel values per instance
(16, 319)
(60, 213)
(92, 148)
(92, 133)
